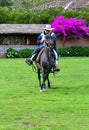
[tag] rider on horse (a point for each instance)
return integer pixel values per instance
(41, 44)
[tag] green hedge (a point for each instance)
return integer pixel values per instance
(23, 53)
(26, 53)
(74, 51)
(11, 53)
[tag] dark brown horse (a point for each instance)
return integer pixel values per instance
(45, 63)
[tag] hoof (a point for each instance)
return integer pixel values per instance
(41, 90)
(44, 89)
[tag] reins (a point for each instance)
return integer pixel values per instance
(34, 68)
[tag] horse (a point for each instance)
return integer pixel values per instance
(45, 63)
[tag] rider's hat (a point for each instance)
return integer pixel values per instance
(48, 27)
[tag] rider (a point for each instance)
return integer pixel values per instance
(41, 44)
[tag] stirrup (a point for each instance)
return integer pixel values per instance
(56, 68)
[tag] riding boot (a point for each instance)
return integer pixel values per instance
(30, 61)
(56, 68)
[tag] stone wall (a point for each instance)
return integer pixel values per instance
(3, 48)
(69, 42)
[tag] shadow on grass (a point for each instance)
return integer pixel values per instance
(54, 88)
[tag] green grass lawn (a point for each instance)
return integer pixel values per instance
(63, 107)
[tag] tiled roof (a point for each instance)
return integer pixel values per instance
(56, 3)
(63, 3)
(21, 28)
(79, 4)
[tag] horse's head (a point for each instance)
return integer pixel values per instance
(49, 41)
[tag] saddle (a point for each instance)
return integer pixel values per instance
(39, 54)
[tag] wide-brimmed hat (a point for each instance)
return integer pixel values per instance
(48, 27)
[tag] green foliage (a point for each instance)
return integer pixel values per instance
(5, 3)
(19, 11)
(25, 53)
(48, 15)
(72, 13)
(39, 17)
(74, 51)
(84, 15)
(11, 53)
(4, 15)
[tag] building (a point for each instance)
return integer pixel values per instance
(20, 36)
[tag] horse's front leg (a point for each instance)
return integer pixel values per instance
(44, 77)
(39, 77)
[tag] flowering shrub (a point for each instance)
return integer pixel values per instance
(70, 27)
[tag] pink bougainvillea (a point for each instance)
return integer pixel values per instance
(70, 27)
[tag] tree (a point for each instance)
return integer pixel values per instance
(4, 15)
(5, 3)
(71, 27)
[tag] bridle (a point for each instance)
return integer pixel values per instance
(49, 41)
